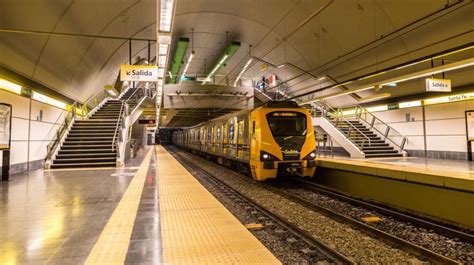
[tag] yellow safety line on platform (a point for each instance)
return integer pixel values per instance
(196, 228)
(112, 245)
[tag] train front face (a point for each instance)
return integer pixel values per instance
(283, 143)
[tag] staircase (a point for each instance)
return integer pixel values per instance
(133, 97)
(362, 133)
(369, 142)
(89, 143)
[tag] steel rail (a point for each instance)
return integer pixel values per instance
(398, 215)
(376, 233)
(305, 236)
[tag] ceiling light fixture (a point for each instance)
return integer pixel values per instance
(48, 100)
(411, 76)
(221, 62)
(243, 71)
(185, 71)
(10, 86)
(166, 15)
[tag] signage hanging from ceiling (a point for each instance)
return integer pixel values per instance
(263, 67)
(438, 85)
(139, 73)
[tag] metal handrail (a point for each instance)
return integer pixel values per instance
(325, 107)
(116, 126)
(59, 134)
(359, 111)
(97, 97)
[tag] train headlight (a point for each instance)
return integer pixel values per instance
(264, 156)
(310, 156)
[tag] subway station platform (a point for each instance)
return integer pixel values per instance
(436, 188)
(151, 211)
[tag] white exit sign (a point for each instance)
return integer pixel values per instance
(438, 85)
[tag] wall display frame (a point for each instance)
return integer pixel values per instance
(5, 126)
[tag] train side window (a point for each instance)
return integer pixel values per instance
(231, 131)
(209, 133)
(253, 127)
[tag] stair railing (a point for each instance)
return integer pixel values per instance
(335, 117)
(51, 147)
(119, 121)
(137, 96)
(93, 101)
(388, 133)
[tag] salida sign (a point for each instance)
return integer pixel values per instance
(438, 85)
(144, 73)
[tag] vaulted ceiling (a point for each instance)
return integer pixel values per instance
(341, 39)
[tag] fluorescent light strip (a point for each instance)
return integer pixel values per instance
(10, 86)
(163, 49)
(377, 108)
(45, 99)
(208, 78)
(424, 73)
(243, 71)
(161, 72)
(470, 62)
(409, 104)
(166, 15)
(185, 71)
(162, 60)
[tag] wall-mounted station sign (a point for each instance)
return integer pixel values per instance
(438, 85)
(140, 73)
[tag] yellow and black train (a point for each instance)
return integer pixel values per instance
(273, 140)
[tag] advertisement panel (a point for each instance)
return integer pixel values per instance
(5, 125)
(139, 73)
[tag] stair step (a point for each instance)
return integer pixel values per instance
(81, 165)
(85, 155)
(84, 147)
(94, 134)
(87, 151)
(88, 139)
(376, 147)
(82, 160)
(373, 145)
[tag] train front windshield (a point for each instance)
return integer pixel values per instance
(284, 124)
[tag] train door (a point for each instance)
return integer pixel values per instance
(219, 138)
(240, 139)
(225, 138)
(232, 138)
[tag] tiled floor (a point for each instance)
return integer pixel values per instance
(55, 217)
(145, 213)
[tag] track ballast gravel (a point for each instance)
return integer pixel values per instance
(351, 243)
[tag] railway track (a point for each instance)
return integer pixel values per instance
(407, 245)
(399, 242)
(442, 229)
(329, 253)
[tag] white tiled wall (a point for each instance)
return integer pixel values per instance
(445, 126)
(29, 134)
